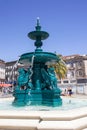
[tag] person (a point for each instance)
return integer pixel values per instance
(65, 91)
(69, 91)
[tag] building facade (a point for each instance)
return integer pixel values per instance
(11, 71)
(76, 76)
(2, 71)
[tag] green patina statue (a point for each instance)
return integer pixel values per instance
(38, 84)
(49, 78)
(24, 80)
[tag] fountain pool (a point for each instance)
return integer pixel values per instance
(68, 103)
(73, 112)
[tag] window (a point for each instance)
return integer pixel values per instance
(73, 81)
(59, 82)
(79, 64)
(66, 81)
(79, 73)
(71, 65)
(72, 74)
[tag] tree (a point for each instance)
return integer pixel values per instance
(60, 68)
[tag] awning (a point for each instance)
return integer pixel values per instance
(5, 85)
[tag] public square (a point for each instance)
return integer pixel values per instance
(43, 65)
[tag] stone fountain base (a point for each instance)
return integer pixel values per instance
(44, 120)
(51, 98)
(37, 97)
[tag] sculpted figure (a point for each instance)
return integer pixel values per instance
(46, 79)
(50, 80)
(23, 77)
(53, 78)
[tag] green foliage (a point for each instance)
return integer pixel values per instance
(60, 68)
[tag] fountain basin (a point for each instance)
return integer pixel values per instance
(42, 34)
(39, 56)
(67, 104)
(76, 119)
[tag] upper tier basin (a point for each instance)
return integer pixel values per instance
(39, 57)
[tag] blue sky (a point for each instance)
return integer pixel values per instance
(64, 20)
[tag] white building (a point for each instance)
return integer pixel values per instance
(11, 71)
(2, 71)
(77, 73)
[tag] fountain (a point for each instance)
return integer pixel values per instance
(37, 85)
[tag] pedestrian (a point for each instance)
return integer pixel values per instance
(70, 91)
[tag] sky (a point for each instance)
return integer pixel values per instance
(64, 20)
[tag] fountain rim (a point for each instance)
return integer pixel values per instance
(34, 34)
(39, 52)
(38, 55)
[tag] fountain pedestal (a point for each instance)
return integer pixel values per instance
(38, 84)
(37, 97)
(51, 98)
